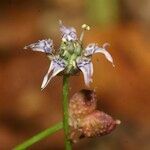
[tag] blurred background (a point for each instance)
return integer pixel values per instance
(122, 91)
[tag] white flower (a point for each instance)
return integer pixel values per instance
(71, 56)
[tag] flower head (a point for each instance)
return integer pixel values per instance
(71, 57)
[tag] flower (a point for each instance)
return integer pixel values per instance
(71, 56)
(85, 119)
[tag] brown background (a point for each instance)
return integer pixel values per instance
(122, 91)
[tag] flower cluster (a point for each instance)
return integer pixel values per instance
(84, 118)
(71, 56)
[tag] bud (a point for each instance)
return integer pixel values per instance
(81, 104)
(85, 120)
(98, 123)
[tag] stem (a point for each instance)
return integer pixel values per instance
(65, 112)
(39, 136)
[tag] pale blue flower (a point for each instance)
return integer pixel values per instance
(71, 56)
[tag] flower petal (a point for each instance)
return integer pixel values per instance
(68, 33)
(57, 65)
(86, 66)
(45, 46)
(94, 48)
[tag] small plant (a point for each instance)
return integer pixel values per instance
(80, 116)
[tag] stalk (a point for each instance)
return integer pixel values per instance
(40, 136)
(68, 145)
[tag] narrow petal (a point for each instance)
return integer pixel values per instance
(94, 48)
(86, 66)
(90, 49)
(57, 65)
(68, 33)
(45, 46)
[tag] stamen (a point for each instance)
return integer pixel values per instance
(84, 27)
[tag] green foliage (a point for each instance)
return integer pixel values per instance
(103, 11)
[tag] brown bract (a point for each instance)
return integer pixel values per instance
(85, 120)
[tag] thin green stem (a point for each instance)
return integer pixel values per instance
(39, 136)
(65, 112)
